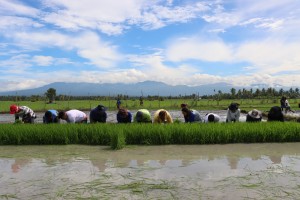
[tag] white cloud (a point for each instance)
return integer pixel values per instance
(112, 17)
(270, 56)
(13, 22)
(14, 7)
(43, 60)
(268, 14)
(20, 84)
(88, 45)
(198, 49)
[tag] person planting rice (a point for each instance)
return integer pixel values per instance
(142, 116)
(288, 107)
(183, 105)
(118, 103)
(162, 116)
(124, 116)
(233, 113)
(191, 115)
(211, 117)
(25, 112)
(73, 116)
(275, 114)
(50, 116)
(254, 116)
(282, 103)
(98, 114)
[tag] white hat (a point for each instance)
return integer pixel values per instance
(255, 114)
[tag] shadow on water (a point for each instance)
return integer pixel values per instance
(234, 171)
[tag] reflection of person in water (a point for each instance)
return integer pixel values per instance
(233, 162)
(18, 164)
(275, 159)
(99, 163)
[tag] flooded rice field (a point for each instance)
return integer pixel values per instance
(112, 116)
(233, 171)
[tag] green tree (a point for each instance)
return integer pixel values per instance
(51, 94)
(233, 92)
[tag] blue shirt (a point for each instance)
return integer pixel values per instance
(127, 119)
(54, 117)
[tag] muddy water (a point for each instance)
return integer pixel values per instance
(112, 116)
(235, 171)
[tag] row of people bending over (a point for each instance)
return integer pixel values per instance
(99, 114)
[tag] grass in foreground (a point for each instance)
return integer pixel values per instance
(119, 135)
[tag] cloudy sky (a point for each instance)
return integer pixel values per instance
(191, 42)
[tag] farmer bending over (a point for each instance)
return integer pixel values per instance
(162, 116)
(211, 117)
(25, 112)
(233, 113)
(124, 116)
(142, 116)
(254, 116)
(51, 116)
(73, 116)
(98, 114)
(275, 114)
(191, 115)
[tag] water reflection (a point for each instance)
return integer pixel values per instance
(211, 171)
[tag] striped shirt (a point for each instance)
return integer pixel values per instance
(25, 111)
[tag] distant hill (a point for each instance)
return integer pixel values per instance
(112, 89)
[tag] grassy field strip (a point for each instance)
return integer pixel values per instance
(202, 104)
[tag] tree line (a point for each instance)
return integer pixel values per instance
(254, 94)
(51, 96)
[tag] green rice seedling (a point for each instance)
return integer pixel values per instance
(117, 140)
(117, 135)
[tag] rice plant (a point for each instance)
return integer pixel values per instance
(119, 135)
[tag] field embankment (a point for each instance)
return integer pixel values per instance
(170, 104)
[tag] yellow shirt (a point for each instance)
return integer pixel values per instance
(156, 118)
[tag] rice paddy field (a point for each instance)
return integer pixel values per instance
(201, 104)
(153, 161)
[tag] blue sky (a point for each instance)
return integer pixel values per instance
(240, 42)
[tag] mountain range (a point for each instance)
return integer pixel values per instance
(113, 89)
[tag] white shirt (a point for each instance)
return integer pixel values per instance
(75, 116)
(217, 117)
(287, 103)
(231, 116)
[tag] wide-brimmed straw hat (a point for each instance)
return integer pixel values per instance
(255, 114)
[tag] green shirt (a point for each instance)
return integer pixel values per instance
(146, 116)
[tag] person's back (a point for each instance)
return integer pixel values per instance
(275, 114)
(233, 113)
(162, 116)
(124, 116)
(191, 115)
(211, 117)
(73, 116)
(98, 114)
(50, 116)
(254, 116)
(142, 115)
(24, 112)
